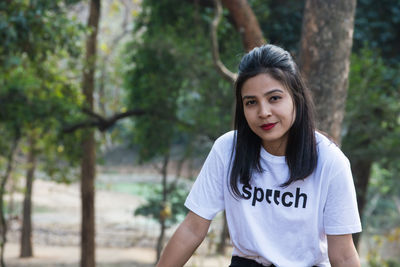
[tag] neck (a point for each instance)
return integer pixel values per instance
(276, 148)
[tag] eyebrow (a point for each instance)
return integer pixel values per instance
(267, 93)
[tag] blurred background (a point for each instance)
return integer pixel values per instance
(108, 109)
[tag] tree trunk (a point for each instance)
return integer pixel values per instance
(26, 235)
(163, 215)
(326, 41)
(3, 182)
(87, 197)
(88, 167)
(246, 23)
(160, 240)
(361, 170)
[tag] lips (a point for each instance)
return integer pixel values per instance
(268, 126)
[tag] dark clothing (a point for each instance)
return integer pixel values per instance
(243, 262)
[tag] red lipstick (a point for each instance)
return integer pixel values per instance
(268, 126)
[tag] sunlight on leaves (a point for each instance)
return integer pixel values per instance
(104, 48)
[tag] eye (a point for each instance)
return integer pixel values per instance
(275, 98)
(250, 102)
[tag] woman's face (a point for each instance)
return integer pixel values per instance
(269, 111)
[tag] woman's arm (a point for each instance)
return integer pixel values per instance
(185, 240)
(341, 251)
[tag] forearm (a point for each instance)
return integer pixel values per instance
(342, 252)
(352, 261)
(179, 249)
(184, 242)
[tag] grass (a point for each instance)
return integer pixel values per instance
(137, 189)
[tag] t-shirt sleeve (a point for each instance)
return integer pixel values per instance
(341, 212)
(206, 198)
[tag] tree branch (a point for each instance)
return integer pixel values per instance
(103, 123)
(100, 122)
(224, 71)
(246, 23)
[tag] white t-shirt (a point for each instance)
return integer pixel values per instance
(286, 227)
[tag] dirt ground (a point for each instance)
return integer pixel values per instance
(122, 240)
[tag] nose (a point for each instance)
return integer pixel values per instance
(264, 111)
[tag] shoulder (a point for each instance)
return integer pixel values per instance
(329, 153)
(225, 143)
(225, 140)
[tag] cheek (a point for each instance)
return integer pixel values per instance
(248, 116)
(289, 112)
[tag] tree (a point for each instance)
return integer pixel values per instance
(34, 102)
(26, 232)
(38, 50)
(371, 125)
(326, 42)
(26, 78)
(88, 163)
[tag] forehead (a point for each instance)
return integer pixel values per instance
(261, 84)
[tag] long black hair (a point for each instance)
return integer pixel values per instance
(301, 151)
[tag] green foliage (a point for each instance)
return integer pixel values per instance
(36, 28)
(372, 122)
(41, 103)
(172, 210)
(156, 89)
(374, 256)
(59, 156)
(173, 77)
(371, 130)
(37, 94)
(30, 93)
(280, 21)
(385, 178)
(384, 188)
(36, 35)
(8, 136)
(379, 26)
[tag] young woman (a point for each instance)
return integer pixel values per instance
(287, 190)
